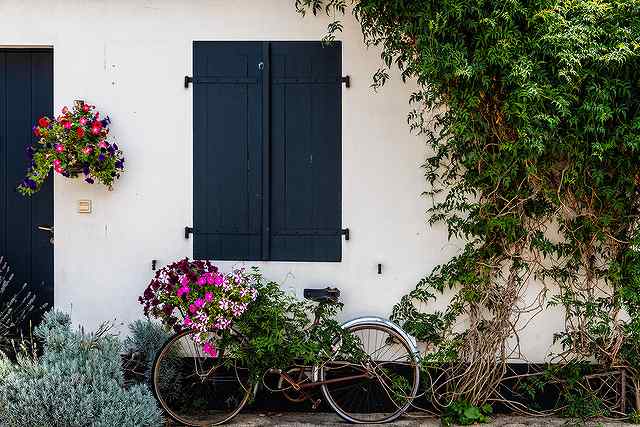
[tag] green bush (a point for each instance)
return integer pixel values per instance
(78, 381)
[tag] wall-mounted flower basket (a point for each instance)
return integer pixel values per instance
(74, 144)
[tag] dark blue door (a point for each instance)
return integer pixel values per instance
(26, 93)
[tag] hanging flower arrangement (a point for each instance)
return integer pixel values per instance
(196, 296)
(74, 144)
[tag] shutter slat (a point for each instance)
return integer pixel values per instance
(227, 159)
(306, 151)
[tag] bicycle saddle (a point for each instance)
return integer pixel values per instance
(322, 295)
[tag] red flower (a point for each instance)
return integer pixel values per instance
(80, 132)
(36, 131)
(66, 125)
(86, 108)
(96, 127)
(43, 122)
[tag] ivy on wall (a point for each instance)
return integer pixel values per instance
(531, 113)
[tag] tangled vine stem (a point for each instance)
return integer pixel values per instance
(531, 111)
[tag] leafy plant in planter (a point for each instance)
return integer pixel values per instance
(73, 144)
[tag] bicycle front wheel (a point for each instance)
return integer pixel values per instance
(379, 383)
(198, 388)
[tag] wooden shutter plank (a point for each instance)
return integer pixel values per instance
(306, 151)
(227, 151)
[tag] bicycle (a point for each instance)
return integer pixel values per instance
(376, 386)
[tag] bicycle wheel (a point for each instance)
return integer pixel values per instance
(378, 385)
(197, 388)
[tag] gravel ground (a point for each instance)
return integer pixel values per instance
(297, 419)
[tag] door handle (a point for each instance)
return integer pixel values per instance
(48, 228)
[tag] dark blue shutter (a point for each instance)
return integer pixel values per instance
(306, 151)
(227, 126)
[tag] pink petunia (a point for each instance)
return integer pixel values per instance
(208, 296)
(187, 321)
(202, 280)
(218, 280)
(183, 290)
(184, 280)
(210, 350)
(199, 303)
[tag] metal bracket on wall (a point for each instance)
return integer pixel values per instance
(347, 81)
(187, 231)
(345, 232)
(187, 80)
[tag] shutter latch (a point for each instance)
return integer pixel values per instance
(187, 231)
(347, 83)
(345, 233)
(187, 80)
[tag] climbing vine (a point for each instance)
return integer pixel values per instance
(531, 113)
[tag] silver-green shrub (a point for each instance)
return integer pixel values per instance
(78, 381)
(145, 341)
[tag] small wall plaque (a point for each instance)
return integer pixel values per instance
(84, 206)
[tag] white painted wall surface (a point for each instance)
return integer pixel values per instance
(129, 57)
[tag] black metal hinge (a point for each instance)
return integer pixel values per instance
(188, 231)
(345, 233)
(347, 83)
(187, 80)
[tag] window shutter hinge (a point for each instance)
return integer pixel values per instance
(187, 231)
(345, 233)
(347, 83)
(187, 80)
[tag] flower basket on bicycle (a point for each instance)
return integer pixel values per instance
(233, 329)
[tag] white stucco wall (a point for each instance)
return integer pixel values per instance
(129, 58)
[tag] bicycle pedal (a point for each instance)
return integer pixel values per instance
(316, 404)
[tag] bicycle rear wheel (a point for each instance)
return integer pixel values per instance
(391, 381)
(197, 388)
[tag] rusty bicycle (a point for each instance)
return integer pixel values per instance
(376, 387)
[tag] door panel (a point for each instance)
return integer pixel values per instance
(26, 93)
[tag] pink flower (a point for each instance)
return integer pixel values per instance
(87, 150)
(187, 321)
(58, 169)
(208, 296)
(199, 303)
(183, 290)
(184, 281)
(83, 121)
(210, 350)
(202, 280)
(59, 148)
(56, 163)
(218, 280)
(193, 308)
(66, 125)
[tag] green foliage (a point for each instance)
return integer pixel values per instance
(576, 397)
(463, 413)
(78, 381)
(280, 331)
(634, 417)
(533, 127)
